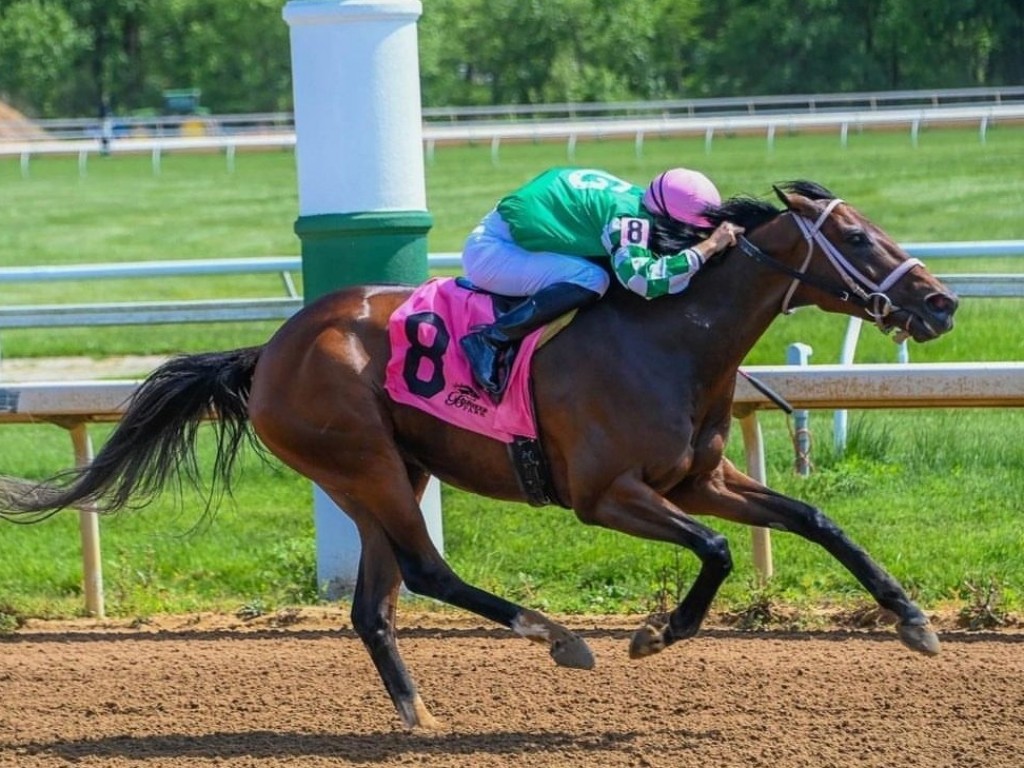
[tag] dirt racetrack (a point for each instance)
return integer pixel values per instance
(214, 691)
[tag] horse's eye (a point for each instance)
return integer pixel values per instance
(857, 237)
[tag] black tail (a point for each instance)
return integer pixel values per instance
(155, 440)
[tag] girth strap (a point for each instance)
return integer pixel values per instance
(532, 472)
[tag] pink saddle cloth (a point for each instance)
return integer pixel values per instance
(428, 369)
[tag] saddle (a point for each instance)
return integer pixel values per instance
(428, 371)
(501, 302)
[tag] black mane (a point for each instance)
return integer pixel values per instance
(810, 189)
(751, 212)
(747, 212)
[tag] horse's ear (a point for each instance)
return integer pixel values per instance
(796, 203)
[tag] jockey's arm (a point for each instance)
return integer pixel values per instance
(723, 237)
(649, 275)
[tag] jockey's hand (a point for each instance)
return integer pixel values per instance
(723, 237)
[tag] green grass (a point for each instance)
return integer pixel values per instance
(934, 495)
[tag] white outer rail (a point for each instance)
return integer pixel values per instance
(73, 405)
(270, 122)
(280, 308)
(984, 115)
(442, 260)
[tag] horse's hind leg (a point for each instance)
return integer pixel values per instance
(426, 573)
(396, 545)
(355, 462)
(373, 618)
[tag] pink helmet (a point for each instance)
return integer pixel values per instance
(683, 195)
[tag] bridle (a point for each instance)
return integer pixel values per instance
(859, 288)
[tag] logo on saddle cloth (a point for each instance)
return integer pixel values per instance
(429, 371)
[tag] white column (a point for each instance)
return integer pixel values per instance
(359, 148)
(358, 121)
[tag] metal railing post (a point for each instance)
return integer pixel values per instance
(753, 447)
(800, 354)
(89, 529)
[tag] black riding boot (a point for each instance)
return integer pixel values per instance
(488, 347)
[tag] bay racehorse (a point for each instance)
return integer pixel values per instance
(634, 436)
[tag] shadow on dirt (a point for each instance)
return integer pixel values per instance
(427, 633)
(358, 747)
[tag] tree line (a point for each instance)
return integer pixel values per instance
(62, 58)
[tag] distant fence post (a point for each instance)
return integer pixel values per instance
(362, 191)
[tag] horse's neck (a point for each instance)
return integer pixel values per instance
(720, 317)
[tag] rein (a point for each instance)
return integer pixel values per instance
(860, 289)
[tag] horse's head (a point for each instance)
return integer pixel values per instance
(840, 261)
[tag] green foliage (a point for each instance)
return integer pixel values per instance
(67, 57)
(571, 50)
(584, 50)
(10, 620)
(39, 43)
(236, 52)
(251, 610)
(61, 58)
(983, 609)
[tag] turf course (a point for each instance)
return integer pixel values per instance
(934, 495)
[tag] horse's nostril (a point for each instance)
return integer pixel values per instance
(942, 305)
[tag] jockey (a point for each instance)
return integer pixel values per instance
(539, 240)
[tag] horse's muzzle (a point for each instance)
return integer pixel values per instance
(934, 318)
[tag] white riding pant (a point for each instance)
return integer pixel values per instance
(493, 261)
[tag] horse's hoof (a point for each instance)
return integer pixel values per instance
(572, 652)
(428, 724)
(416, 717)
(647, 641)
(920, 638)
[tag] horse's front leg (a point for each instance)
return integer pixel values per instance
(631, 506)
(732, 495)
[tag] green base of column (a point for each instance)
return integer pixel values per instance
(340, 249)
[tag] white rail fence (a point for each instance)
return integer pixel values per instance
(13, 316)
(262, 123)
(767, 115)
(74, 405)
